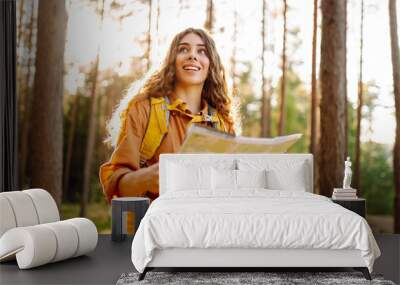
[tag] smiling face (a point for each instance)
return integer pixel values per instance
(191, 61)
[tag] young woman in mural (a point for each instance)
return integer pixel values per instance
(190, 87)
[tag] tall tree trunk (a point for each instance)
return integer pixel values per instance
(20, 27)
(314, 95)
(104, 102)
(265, 100)
(181, 6)
(158, 19)
(209, 24)
(234, 49)
(148, 52)
(90, 143)
(346, 103)
(91, 131)
(71, 136)
(357, 169)
(333, 85)
(47, 120)
(282, 109)
(396, 87)
(19, 64)
(314, 99)
(158, 28)
(27, 106)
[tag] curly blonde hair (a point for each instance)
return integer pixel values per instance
(161, 83)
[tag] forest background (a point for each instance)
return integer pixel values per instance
(272, 53)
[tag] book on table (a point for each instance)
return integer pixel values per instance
(201, 139)
(336, 197)
(345, 191)
(343, 194)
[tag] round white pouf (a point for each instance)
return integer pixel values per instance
(6, 216)
(46, 207)
(87, 234)
(23, 208)
(40, 244)
(67, 240)
(33, 246)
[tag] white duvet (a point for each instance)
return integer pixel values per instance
(250, 219)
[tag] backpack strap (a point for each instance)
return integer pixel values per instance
(213, 117)
(218, 123)
(158, 123)
(157, 128)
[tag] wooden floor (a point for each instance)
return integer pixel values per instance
(106, 264)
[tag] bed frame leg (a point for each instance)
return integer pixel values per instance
(364, 271)
(143, 274)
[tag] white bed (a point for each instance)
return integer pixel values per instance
(202, 219)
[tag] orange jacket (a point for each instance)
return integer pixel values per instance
(126, 156)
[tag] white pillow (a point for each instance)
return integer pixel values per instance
(188, 177)
(293, 180)
(223, 179)
(282, 174)
(226, 179)
(251, 178)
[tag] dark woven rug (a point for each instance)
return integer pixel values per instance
(228, 278)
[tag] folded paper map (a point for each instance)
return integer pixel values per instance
(206, 140)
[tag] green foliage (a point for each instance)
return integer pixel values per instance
(370, 95)
(78, 154)
(109, 95)
(376, 169)
(351, 130)
(99, 213)
(249, 105)
(377, 178)
(297, 108)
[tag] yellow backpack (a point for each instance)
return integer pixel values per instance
(157, 126)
